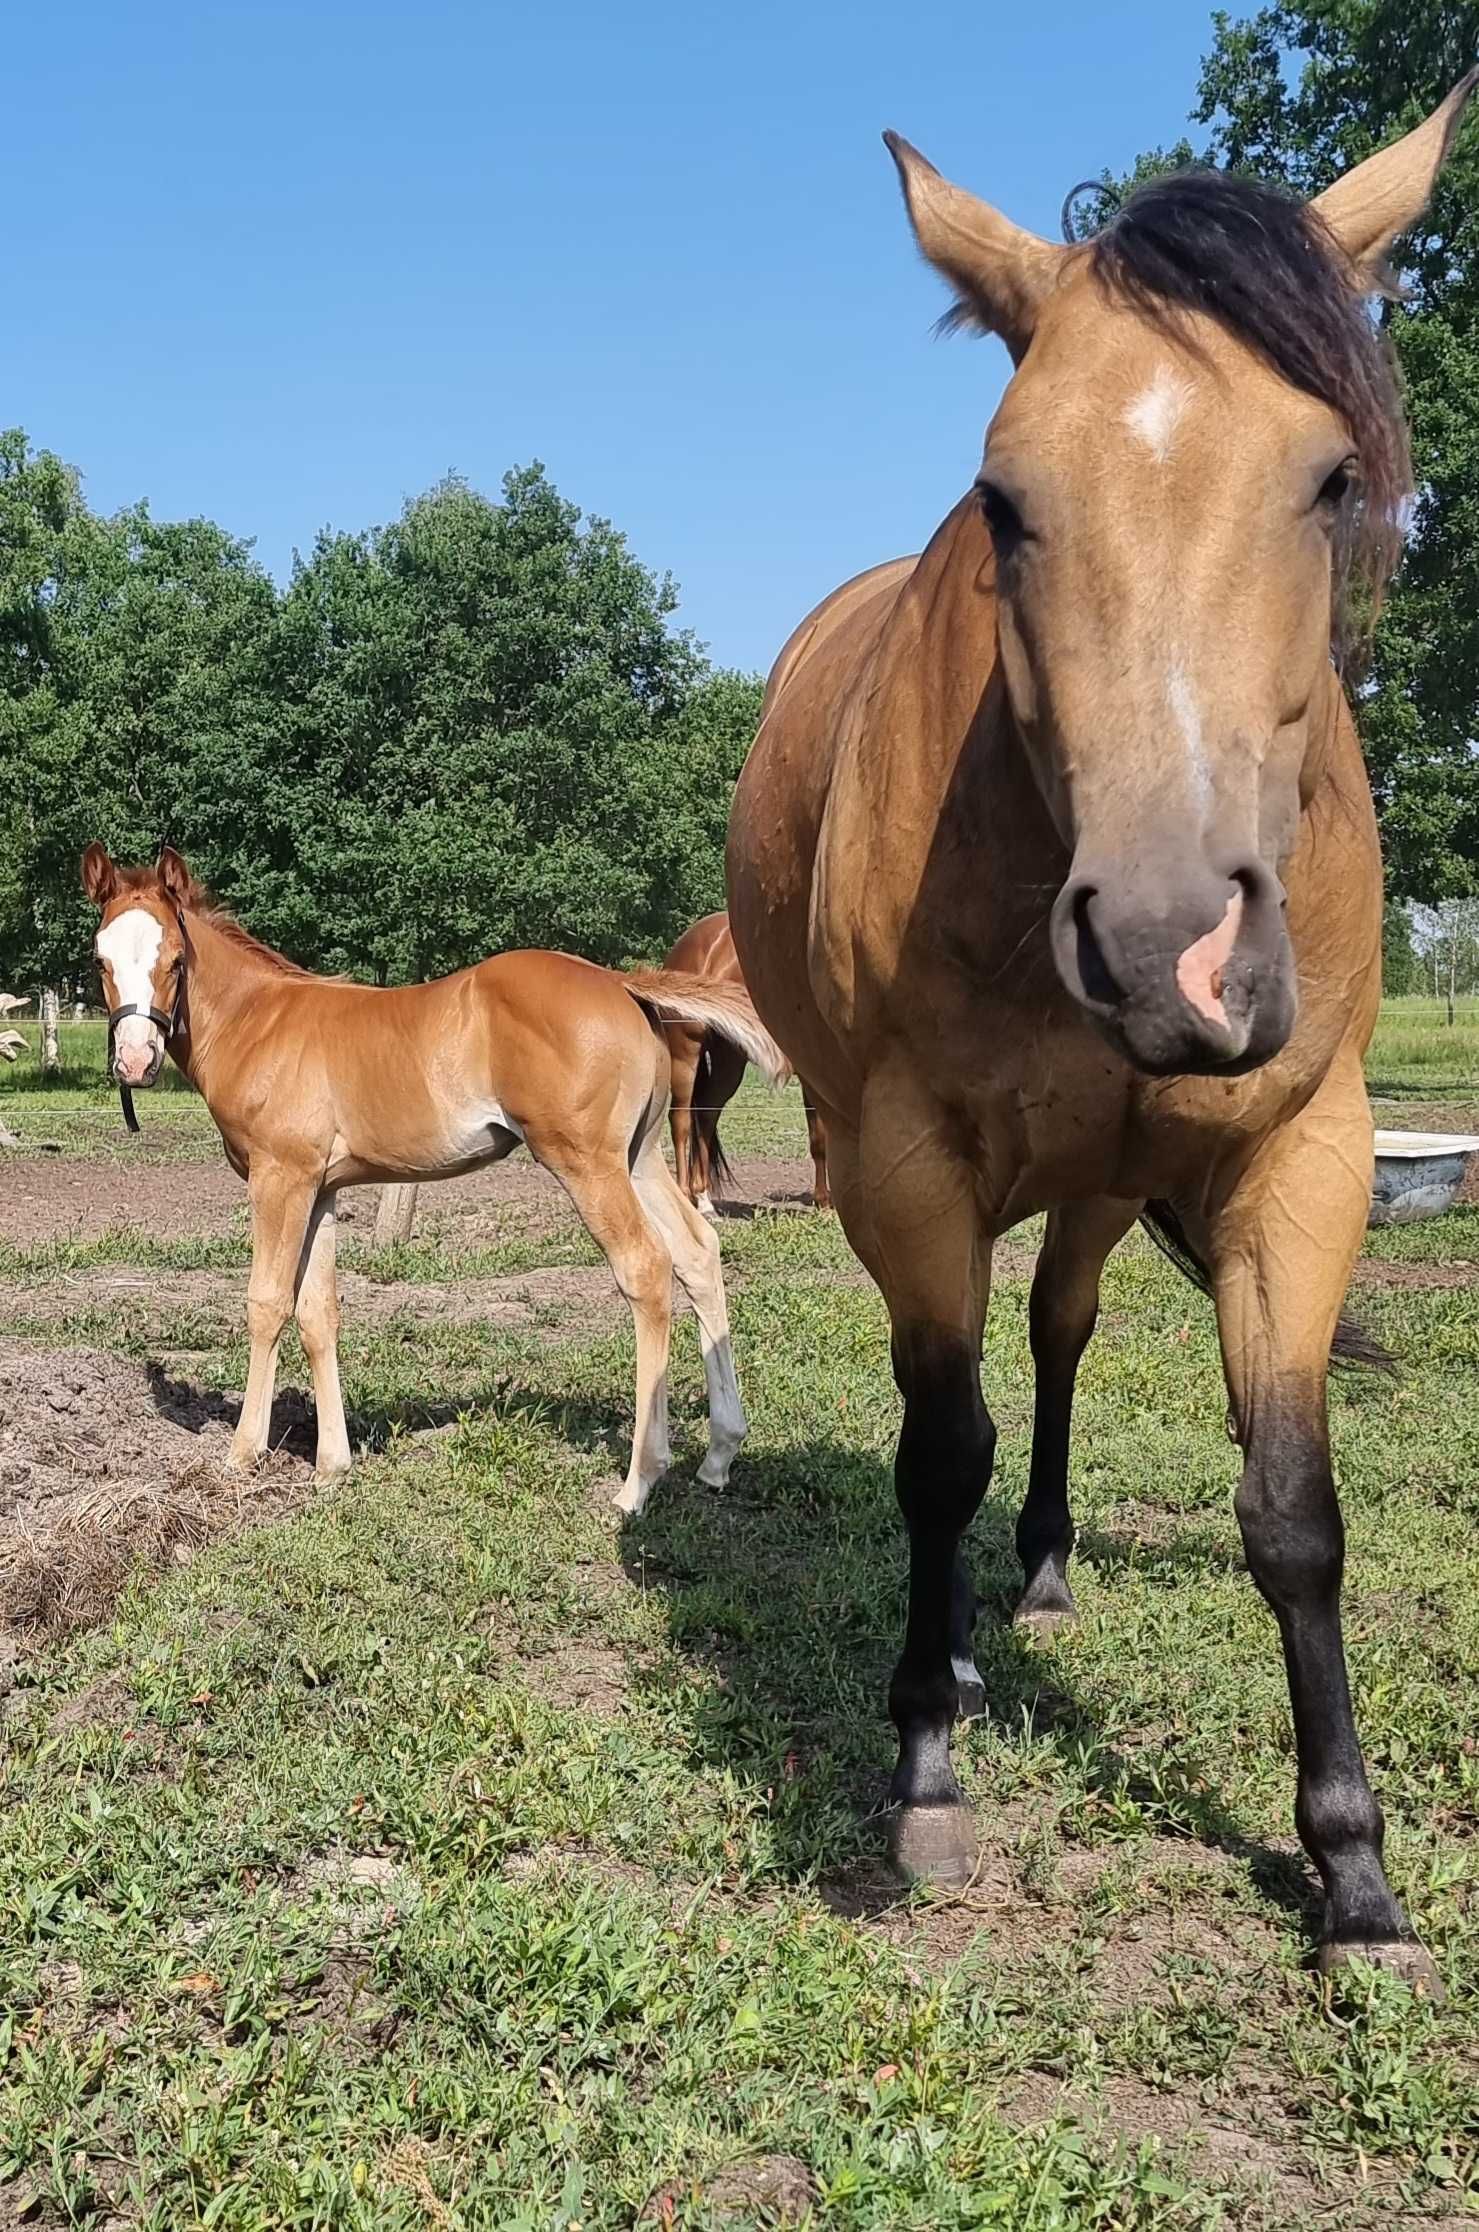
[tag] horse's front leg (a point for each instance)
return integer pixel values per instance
(907, 1203)
(1064, 1307)
(282, 1203)
(1282, 1248)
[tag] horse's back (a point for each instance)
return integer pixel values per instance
(707, 949)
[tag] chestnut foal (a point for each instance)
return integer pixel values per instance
(316, 1083)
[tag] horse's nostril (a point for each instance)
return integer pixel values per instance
(1094, 971)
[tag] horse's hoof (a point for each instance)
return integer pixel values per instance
(1041, 1623)
(1403, 1957)
(631, 1500)
(324, 1476)
(240, 1468)
(714, 1471)
(970, 1690)
(935, 1845)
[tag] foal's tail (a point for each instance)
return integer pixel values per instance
(1353, 1348)
(677, 996)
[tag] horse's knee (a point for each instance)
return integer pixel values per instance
(1289, 1517)
(947, 1444)
(268, 1312)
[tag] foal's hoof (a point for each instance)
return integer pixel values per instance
(934, 1844)
(1403, 1957)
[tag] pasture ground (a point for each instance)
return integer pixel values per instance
(435, 1851)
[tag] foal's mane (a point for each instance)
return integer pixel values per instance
(1266, 266)
(211, 911)
(201, 902)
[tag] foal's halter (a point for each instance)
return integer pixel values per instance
(167, 1025)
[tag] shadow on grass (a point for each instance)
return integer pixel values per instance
(604, 1429)
(789, 1588)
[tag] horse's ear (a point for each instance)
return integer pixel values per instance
(175, 879)
(99, 876)
(1001, 274)
(1382, 198)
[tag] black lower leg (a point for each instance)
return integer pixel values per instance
(970, 1690)
(1295, 1544)
(1045, 1522)
(943, 1465)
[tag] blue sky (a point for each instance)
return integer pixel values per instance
(286, 265)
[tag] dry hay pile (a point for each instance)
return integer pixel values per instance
(108, 1467)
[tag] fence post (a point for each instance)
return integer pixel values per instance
(51, 1051)
(395, 1216)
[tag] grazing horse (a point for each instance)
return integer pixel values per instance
(1054, 869)
(316, 1083)
(707, 1072)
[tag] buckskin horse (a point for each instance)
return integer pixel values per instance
(316, 1083)
(708, 1070)
(1054, 869)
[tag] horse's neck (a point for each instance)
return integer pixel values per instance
(222, 980)
(930, 775)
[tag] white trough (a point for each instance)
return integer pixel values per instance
(1418, 1174)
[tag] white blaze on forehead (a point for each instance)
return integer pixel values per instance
(1155, 413)
(130, 946)
(1187, 716)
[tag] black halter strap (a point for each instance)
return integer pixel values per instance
(167, 1025)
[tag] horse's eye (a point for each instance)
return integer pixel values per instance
(1336, 486)
(1002, 516)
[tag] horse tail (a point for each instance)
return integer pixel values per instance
(1353, 1349)
(677, 996)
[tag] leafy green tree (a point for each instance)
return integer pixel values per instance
(484, 696)
(471, 729)
(1401, 970)
(132, 670)
(1300, 91)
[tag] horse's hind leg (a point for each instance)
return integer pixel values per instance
(318, 1324)
(816, 1140)
(695, 1251)
(282, 1203)
(1281, 1251)
(1065, 1304)
(719, 1079)
(685, 1046)
(602, 1191)
(907, 1204)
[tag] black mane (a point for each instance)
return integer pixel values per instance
(1265, 266)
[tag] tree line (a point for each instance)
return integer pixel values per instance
(476, 727)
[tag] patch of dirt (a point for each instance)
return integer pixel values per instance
(776, 2189)
(1371, 1273)
(106, 1466)
(341, 1999)
(541, 1303)
(564, 1861)
(579, 1676)
(50, 1197)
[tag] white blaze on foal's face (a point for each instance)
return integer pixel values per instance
(128, 950)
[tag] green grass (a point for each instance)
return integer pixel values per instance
(1415, 1052)
(444, 1855)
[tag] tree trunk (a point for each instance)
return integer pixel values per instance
(51, 1051)
(395, 1216)
(1452, 972)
